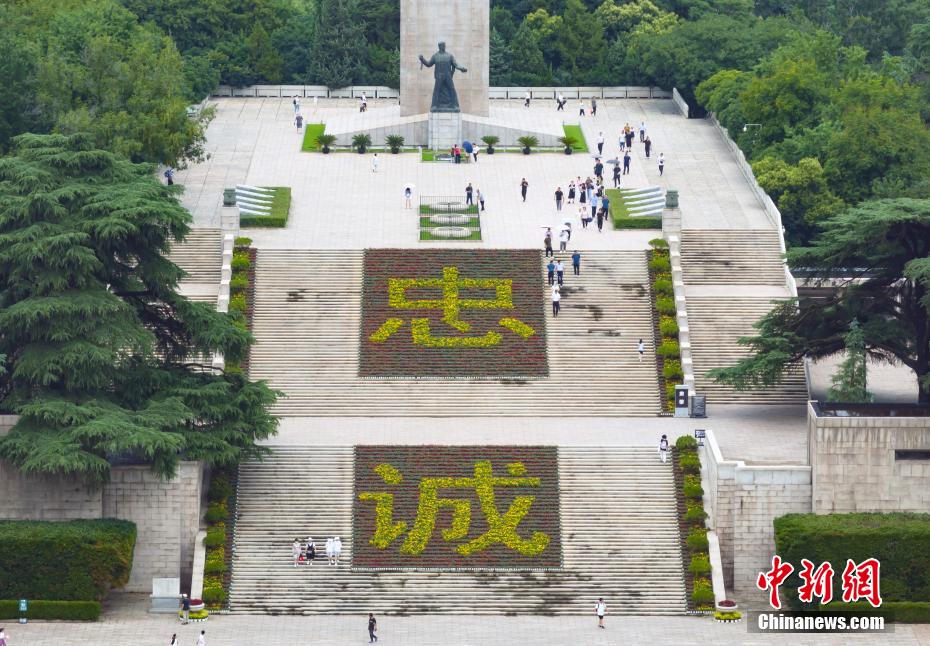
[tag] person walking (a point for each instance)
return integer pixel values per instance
(563, 239)
(296, 103)
(469, 195)
(585, 216)
(605, 206)
(648, 145)
(661, 164)
(663, 449)
(474, 154)
(547, 241)
(481, 199)
(558, 198)
(523, 186)
(174, 639)
(299, 120)
(593, 107)
(595, 201)
(622, 142)
(616, 175)
(626, 163)
(641, 348)
(3, 637)
(295, 551)
(629, 139)
(642, 132)
(550, 271)
(571, 192)
(561, 104)
(169, 175)
(559, 272)
(202, 639)
(457, 153)
(337, 550)
(600, 220)
(185, 609)
(526, 100)
(600, 143)
(576, 263)
(581, 108)
(408, 194)
(556, 300)
(310, 551)
(599, 169)
(600, 609)
(375, 162)
(372, 628)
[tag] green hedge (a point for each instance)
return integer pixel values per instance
(280, 209)
(904, 612)
(901, 543)
(67, 610)
(77, 560)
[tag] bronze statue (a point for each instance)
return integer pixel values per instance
(444, 97)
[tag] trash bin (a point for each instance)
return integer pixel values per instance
(698, 406)
(671, 199)
(229, 197)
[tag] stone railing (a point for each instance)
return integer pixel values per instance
(681, 311)
(683, 106)
(384, 92)
(768, 205)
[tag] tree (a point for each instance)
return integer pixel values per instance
(265, 61)
(17, 92)
(500, 57)
(581, 43)
(529, 67)
(879, 252)
(338, 44)
(850, 381)
(103, 353)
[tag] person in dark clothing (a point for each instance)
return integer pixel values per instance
(600, 220)
(550, 269)
(469, 197)
(648, 145)
(372, 628)
(576, 263)
(548, 242)
(616, 175)
(626, 163)
(599, 169)
(523, 186)
(558, 198)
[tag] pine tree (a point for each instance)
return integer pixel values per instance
(850, 382)
(266, 62)
(101, 350)
(339, 43)
(500, 56)
(529, 66)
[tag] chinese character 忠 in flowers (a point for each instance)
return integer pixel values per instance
(502, 527)
(451, 304)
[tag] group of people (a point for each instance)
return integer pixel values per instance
(555, 270)
(592, 201)
(474, 195)
(306, 552)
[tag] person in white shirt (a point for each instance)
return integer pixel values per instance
(661, 164)
(641, 347)
(600, 143)
(202, 640)
(600, 608)
(663, 449)
(561, 102)
(526, 100)
(559, 272)
(563, 239)
(295, 551)
(642, 132)
(581, 108)
(374, 163)
(337, 550)
(556, 298)
(329, 550)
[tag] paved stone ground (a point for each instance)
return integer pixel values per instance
(338, 203)
(126, 622)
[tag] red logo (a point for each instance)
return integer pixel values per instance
(817, 583)
(772, 579)
(861, 582)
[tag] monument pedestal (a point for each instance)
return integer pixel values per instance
(445, 130)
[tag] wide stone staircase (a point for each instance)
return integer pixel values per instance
(716, 325)
(201, 256)
(307, 325)
(731, 257)
(619, 535)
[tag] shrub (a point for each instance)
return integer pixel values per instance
(665, 306)
(903, 612)
(214, 567)
(76, 560)
(241, 260)
(697, 539)
(216, 536)
(703, 593)
(220, 489)
(490, 140)
(322, 141)
(900, 541)
(195, 614)
(668, 348)
(672, 370)
(668, 326)
(238, 283)
(216, 512)
(639, 222)
(361, 140)
(692, 487)
(42, 609)
(242, 242)
(394, 142)
(700, 565)
(659, 263)
(528, 141)
(238, 303)
(670, 392)
(686, 443)
(214, 594)
(695, 513)
(730, 615)
(690, 463)
(663, 288)
(658, 243)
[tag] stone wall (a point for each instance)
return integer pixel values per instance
(742, 501)
(464, 26)
(166, 513)
(854, 465)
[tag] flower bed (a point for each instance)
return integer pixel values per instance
(242, 290)
(220, 516)
(691, 515)
(450, 314)
(668, 353)
(428, 507)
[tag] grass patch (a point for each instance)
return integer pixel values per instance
(425, 234)
(580, 145)
(471, 209)
(621, 216)
(426, 224)
(428, 155)
(280, 209)
(311, 132)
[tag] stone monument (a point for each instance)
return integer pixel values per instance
(445, 117)
(464, 25)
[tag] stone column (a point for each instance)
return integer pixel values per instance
(464, 26)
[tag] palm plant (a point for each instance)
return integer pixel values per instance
(569, 142)
(528, 142)
(490, 141)
(361, 141)
(394, 142)
(325, 141)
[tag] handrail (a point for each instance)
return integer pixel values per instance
(384, 92)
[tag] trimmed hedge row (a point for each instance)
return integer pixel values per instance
(75, 560)
(67, 610)
(280, 208)
(900, 541)
(903, 612)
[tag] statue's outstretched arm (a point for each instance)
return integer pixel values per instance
(428, 63)
(456, 66)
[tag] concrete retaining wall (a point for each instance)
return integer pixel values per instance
(383, 92)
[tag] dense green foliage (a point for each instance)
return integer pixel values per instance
(77, 560)
(880, 252)
(62, 610)
(103, 356)
(900, 542)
